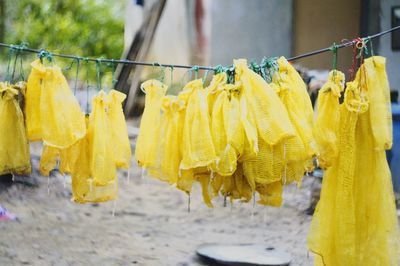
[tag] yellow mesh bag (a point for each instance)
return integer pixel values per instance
(234, 125)
(212, 90)
(267, 167)
(270, 115)
(185, 180)
(146, 144)
(61, 121)
(204, 180)
(378, 88)
(241, 189)
(14, 147)
(218, 131)
(198, 148)
(228, 187)
(83, 189)
(32, 101)
(247, 120)
(225, 130)
(298, 104)
(355, 222)
(291, 150)
(326, 127)
(169, 155)
(216, 183)
(48, 160)
(270, 194)
(65, 158)
(119, 131)
(68, 159)
(102, 160)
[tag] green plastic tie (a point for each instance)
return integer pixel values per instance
(87, 84)
(172, 76)
(162, 70)
(205, 75)
(9, 64)
(218, 69)
(268, 67)
(76, 74)
(45, 54)
(196, 71)
(371, 47)
(334, 50)
(98, 73)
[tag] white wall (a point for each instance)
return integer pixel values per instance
(250, 29)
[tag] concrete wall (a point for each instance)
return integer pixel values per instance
(385, 45)
(250, 29)
(318, 24)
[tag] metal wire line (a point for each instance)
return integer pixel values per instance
(129, 62)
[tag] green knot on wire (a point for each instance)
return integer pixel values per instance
(269, 62)
(45, 54)
(366, 41)
(99, 72)
(269, 66)
(19, 47)
(218, 69)
(230, 72)
(255, 67)
(113, 66)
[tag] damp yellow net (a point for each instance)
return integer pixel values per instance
(355, 222)
(14, 147)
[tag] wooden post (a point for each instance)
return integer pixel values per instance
(138, 51)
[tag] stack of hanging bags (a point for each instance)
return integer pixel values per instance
(234, 139)
(253, 136)
(89, 148)
(355, 222)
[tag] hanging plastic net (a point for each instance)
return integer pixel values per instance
(355, 222)
(270, 115)
(14, 146)
(326, 130)
(101, 152)
(121, 146)
(198, 148)
(53, 113)
(146, 144)
(32, 102)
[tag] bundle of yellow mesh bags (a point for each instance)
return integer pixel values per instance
(235, 139)
(89, 148)
(355, 222)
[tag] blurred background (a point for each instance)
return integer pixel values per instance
(151, 225)
(199, 32)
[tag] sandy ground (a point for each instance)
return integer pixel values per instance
(151, 225)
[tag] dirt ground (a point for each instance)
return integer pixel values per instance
(151, 225)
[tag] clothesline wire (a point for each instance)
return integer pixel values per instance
(346, 44)
(130, 62)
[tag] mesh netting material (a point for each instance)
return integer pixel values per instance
(52, 112)
(146, 144)
(355, 222)
(234, 139)
(326, 130)
(14, 147)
